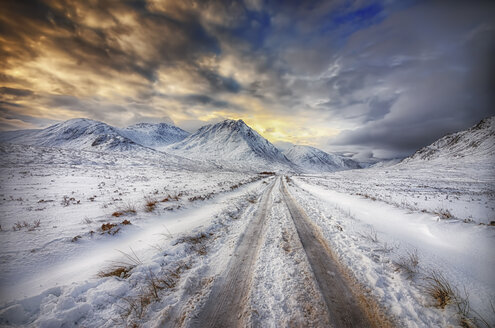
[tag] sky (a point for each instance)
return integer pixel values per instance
(372, 79)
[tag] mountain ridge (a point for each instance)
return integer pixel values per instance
(230, 140)
(316, 160)
(473, 144)
(154, 135)
(82, 133)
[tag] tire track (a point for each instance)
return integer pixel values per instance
(226, 304)
(343, 307)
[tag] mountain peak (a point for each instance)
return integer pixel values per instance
(233, 124)
(230, 140)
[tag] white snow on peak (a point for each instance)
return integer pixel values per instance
(316, 160)
(229, 140)
(79, 133)
(476, 144)
(154, 135)
(87, 134)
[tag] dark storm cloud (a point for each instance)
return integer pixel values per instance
(441, 70)
(15, 92)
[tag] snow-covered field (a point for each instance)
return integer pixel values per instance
(465, 193)
(59, 208)
(139, 237)
(373, 238)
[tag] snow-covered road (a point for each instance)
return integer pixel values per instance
(271, 251)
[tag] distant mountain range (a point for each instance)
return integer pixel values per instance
(80, 133)
(234, 145)
(315, 160)
(86, 134)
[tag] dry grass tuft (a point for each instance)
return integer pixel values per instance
(196, 242)
(126, 210)
(118, 271)
(444, 214)
(150, 292)
(150, 204)
(371, 235)
(170, 198)
(408, 265)
(24, 224)
(107, 226)
(440, 289)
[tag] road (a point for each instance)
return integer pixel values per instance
(227, 303)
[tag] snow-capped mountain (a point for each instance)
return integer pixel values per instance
(230, 141)
(476, 144)
(316, 160)
(154, 135)
(79, 133)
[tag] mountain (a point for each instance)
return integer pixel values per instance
(154, 135)
(476, 144)
(231, 141)
(316, 160)
(79, 133)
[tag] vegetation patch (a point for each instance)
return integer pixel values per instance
(118, 271)
(109, 228)
(127, 210)
(196, 242)
(440, 289)
(150, 204)
(26, 225)
(408, 264)
(170, 198)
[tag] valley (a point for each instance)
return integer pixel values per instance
(223, 229)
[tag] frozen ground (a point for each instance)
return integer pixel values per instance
(82, 266)
(465, 193)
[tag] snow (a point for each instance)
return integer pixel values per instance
(76, 133)
(312, 159)
(86, 134)
(154, 136)
(283, 267)
(231, 142)
(459, 251)
(54, 278)
(440, 203)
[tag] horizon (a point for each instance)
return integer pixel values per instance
(344, 77)
(282, 147)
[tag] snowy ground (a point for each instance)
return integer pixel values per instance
(465, 193)
(375, 220)
(82, 266)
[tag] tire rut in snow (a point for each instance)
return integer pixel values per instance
(226, 304)
(343, 308)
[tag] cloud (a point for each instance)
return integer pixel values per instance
(377, 77)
